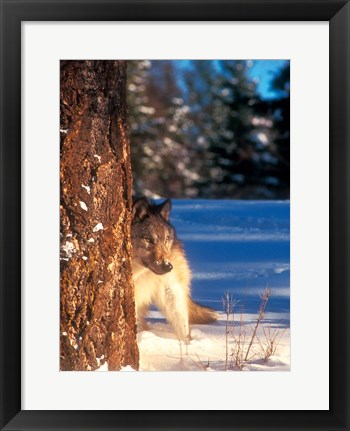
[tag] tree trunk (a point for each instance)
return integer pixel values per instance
(97, 303)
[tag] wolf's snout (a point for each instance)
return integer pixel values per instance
(167, 266)
(164, 266)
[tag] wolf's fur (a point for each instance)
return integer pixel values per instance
(161, 272)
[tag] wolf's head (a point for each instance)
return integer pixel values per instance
(152, 235)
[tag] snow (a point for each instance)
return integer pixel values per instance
(177, 100)
(237, 246)
(68, 248)
(127, 368)
(83, 205)
(87, 188)
(161, 351)
(98, 227)
(104, 367)
(225, 92)
(146, 110)
(262, 138)
(98, 157)
(261, 121)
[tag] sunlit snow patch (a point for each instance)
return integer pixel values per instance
(68, 248)
(87, 188)
(83, 205)
(98, 227)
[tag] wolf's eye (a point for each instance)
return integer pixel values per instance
(149, 240)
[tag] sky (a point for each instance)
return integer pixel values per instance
(262, 70)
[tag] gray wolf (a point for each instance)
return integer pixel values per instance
(161, 273)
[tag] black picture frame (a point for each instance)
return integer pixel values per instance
(13, 12)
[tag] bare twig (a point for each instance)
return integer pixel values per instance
(268, 346)
(228, 304)
(237, 354)
(265, 296)
(199, 364)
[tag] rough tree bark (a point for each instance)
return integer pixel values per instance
(97, 305)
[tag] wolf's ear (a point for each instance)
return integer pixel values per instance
(164, 209)
(140, 209)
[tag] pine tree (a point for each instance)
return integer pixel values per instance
(159, 124)
(240, 152)
(281, 108)
(230, 144)
(97, 312)
(142, 124)
(207, 134)
(202, 81)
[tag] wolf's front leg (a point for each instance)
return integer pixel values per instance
(141, 313)
(174, 306)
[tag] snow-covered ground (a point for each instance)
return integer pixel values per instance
(237, 246)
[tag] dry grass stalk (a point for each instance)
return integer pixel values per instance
(228, 304)
(265, 296)
(270, 343)
(199, 364)
(237, 353)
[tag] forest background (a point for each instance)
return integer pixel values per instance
(210, 129)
